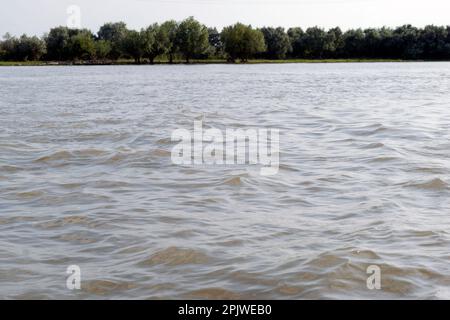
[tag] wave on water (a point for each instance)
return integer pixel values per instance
(435, 184)
(86, 178)
(175, 256)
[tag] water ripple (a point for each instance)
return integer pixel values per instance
(86, 179)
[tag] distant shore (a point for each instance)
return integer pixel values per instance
(164, 62)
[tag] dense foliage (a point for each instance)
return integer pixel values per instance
(189, 39)
(243, 42)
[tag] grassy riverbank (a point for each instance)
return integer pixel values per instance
(21, 63)
(131, 62)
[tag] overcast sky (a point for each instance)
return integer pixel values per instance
(37, 16)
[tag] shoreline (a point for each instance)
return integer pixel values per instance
(199, 62)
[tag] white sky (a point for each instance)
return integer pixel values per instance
(37, 16)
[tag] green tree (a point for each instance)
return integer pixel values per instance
(354, 43)
(170, 28)
(156, 42)
(315, 43)
(133, 44)
(215, 42)
(8, 47)
(447, 44)
(102, 49)
(57, 41)
(334, 43)
(192, 38)
(277, 41)
(405, 42)
(22, 49)
(82, 46)
(243, 42)
(2, 52)
(29, 48)
(434, 42)
(296, 36)
(372, 43)
(114, 33)
(386, 49)
(239, 41)
(148, 42)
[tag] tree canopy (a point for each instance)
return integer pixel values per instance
(189, 39)
(133, 44)
(23, 49)
(192, 38)
(277, 41)
(242, 41)
(113, 33)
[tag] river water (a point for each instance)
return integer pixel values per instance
(86, 179)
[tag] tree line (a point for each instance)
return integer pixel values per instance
(189, 39)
